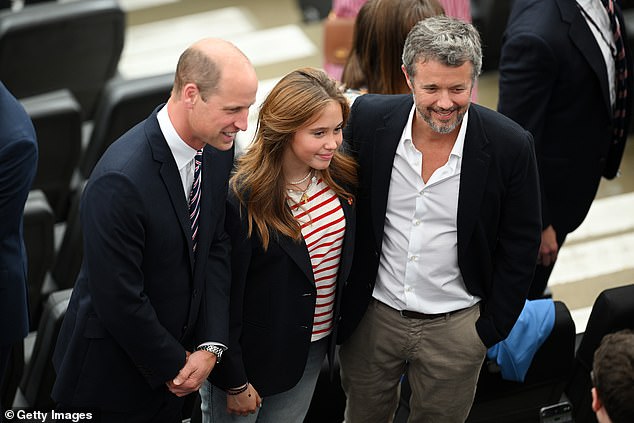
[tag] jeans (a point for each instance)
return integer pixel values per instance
(288, 407)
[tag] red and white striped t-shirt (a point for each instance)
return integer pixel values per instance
(323, 226)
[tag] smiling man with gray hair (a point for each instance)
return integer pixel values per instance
(448, 233)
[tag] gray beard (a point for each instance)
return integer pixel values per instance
(443, 129)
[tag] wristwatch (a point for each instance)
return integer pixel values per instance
(214, 349)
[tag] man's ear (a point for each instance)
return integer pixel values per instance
(409, 83)
(596, 401)
(190, 94)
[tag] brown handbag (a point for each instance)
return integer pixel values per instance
(337, 38)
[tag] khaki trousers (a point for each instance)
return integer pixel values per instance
(443, 357)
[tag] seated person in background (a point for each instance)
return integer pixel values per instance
(374, 64)
(613, 378)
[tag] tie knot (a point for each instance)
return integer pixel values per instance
(198, 160)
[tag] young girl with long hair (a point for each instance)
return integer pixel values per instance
(291, 221)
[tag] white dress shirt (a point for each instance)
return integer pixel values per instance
(418, 269)
(597, 19)
(184, 155)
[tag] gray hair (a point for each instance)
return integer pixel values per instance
(447, 40)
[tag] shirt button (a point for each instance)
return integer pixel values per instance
(413, 258)
(416, 222)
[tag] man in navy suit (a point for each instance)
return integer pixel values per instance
(18, 165)
(447, 236)
(558, 79)
(148, 318)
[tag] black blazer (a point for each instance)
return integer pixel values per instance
(499, 227)
(553, 82)
(141, 299)
(18, 164)
(272, 305)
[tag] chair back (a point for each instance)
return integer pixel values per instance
(125, 102)
(39, 223)
(70, 253)
(39, 375)
(56, 117)
(55, 45)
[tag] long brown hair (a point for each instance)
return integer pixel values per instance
(295, 102)
(380, 30)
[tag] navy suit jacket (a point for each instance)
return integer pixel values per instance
(553, 82)
(499, 226)
(273, 298)
(18, 165)
(141, 298)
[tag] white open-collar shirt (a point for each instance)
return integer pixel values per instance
(418, 268)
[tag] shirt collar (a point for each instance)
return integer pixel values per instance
(183, 153)
(458, 147)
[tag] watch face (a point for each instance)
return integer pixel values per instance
(214, 349)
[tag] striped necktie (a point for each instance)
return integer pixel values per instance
(194, 198)
(620, 67)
